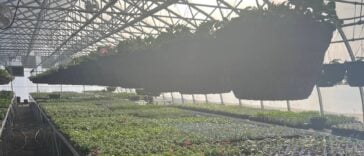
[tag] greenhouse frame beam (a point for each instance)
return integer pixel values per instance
(80, 29)
(123, 27)
(36, 31)
(230, 7)
(82, 22)
(23, 33)
(360, 22)
(19, 49)
(29, 34)
(64, 17)
(169, 11)
(349, 2)
(110, 12)
(201, 11)
(147, 25)
(89, 35)
(352, 57)
(70, 10)
(69, 29)
(135, 34)
(348, 40)
(34, 28)
(351, 18)
(136, 20)
(176, 14)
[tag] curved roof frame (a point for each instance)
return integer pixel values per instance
(65, 28)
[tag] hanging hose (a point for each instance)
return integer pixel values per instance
(12, 21)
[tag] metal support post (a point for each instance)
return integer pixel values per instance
(262, 104)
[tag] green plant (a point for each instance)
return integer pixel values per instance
(5, 77)
(294, 119)
(113, 126)
(110, 89)
(134, 98)
(54, 96)
(318, 8)
(5, 101)
(318, 122)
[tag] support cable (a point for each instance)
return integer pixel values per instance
(361, 11)
(354, 21)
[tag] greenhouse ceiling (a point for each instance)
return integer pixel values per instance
(59, 29)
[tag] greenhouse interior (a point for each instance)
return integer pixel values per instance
(181, 77)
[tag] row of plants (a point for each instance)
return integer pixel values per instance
(309, 119)
(86, 96)
(5, 101)
(91, 95)
(119, 127)
(355, 129)
(243, 55)
(335, 72)
(5, 77)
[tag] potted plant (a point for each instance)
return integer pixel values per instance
(110, 89)
(147, 92)
(332, 74)
(318, 123)
(186, 62)
(277, 53)
(5, 77)
(355, 73)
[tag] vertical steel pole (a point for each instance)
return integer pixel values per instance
(320, 102)
(182, 100)
(240, 104)
(164, 99)
(222, 99)
(362, 99)
(37, 60)
(60, 94)
(206, 99)
(352, 57)
(172, 98)
(288, 105)
(11, 86)
(261, 104)
(36, 73)
(193, 99)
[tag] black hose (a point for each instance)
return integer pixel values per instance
(12, 21)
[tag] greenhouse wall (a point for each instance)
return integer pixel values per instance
(339, 100)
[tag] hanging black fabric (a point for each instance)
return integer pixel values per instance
(275, 58)
(355, 73)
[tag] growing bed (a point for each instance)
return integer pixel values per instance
(292, 119)
(113, 126)
(5, 101)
